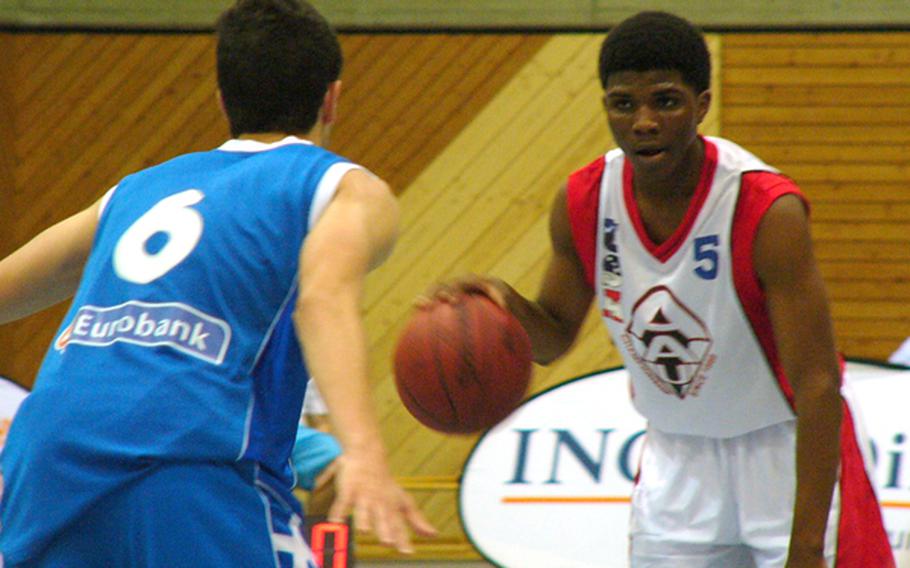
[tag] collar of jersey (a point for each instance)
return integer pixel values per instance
(237, 145)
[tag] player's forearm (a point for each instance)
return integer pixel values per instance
(334, 341)
(48, 268)
(40, 274)
(550, 338)
(819, 415)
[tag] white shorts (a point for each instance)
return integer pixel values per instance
(725, 503)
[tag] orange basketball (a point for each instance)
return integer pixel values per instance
(462, 366)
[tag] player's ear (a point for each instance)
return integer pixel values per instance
(220, 98)
(329, 112)
(703, 104)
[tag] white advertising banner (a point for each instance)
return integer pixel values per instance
(550, 486)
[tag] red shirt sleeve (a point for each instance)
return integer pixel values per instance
(582, 194)
(758, 192)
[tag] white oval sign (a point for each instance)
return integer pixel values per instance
(550, 486)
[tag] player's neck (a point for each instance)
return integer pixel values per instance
(271, 137)
(675, 186)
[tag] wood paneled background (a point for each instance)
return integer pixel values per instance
(833, 112)
(475, 132)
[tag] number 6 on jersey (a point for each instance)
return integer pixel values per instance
(171, 216)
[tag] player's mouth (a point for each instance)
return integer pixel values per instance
(649, 152)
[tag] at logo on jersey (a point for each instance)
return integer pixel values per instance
(669, 342)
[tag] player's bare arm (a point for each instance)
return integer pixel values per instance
(554, 318)
(805, 341)
(46, 270)
(355, 234)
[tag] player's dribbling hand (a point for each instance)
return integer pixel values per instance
(378, 503)
(448, 291)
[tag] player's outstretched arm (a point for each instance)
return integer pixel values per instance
(47, 269)
(805, 341)
(553, 319)
(355, 234)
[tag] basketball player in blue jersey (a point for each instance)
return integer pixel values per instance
(161, 423)
(700, 259)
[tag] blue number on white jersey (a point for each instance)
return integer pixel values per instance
(706, 255)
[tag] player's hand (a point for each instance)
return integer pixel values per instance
(448, 291)
(366, 488)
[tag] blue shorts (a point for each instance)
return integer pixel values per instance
(184, 515)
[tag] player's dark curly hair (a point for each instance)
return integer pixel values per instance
(275, 59)
(657, 40)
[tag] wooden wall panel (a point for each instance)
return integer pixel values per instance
(93, 108)
(833, 112)
(96, 107)
(8, 133)
(404, 97)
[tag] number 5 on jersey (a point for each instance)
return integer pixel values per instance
(172, 217)
(706, 256)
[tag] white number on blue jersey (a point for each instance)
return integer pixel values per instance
(173, 218)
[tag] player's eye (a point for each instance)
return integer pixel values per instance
(668, 102)
(620, 104)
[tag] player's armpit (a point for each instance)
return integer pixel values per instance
(47, 269)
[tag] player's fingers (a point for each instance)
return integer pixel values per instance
(398, 533)
(391, 530)
(417, 521)
(494, 293)
(451, 290)
(363, 514)
(340, 509)
(436, 293)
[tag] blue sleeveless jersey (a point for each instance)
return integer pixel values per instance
(179, 344)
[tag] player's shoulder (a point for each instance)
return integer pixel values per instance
(587, 179)
(759, 181)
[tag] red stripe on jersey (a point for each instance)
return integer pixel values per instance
(668, 248)
(758, 192)
(861, 538)
(582, 195)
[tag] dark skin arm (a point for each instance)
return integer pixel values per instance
(553, 319)
(805, 341)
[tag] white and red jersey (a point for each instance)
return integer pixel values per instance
(688, 314)
(691, 320)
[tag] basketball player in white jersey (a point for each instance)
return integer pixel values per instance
(700, 260)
